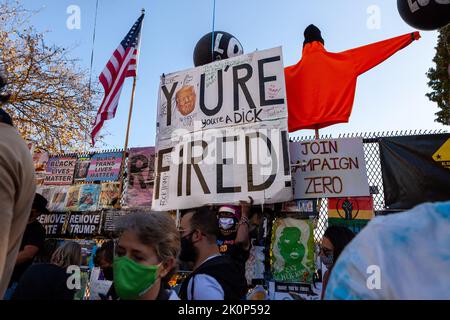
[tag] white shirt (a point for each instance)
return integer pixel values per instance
(205, 286)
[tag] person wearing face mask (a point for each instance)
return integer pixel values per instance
(334, 241)
(145, 256)
(214, 276)
(234, 227)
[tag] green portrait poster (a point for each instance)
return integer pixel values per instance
(292, 250)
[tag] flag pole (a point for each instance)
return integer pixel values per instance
(130, 113)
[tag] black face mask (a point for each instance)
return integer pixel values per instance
(108, 273)
(188, 252)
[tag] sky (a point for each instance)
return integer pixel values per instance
(390, 97)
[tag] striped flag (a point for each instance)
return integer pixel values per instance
(121, 65)
(354, 208)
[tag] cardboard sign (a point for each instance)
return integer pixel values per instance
(329, 169)
(222, 134)
(105, 167)
(60, 170)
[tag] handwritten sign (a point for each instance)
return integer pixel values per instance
(222, 134)
(329, 168)
(105, 167)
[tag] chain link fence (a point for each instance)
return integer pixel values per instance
(373, 164)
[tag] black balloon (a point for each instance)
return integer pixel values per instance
(425, 14)
(225, 46)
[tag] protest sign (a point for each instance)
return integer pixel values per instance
(73, 195)
(60, 170)
(329, 169)
(53, 223)
(84, 224)
(222, 134)
(105, 167)
(58, 199)
(293, 250)
(109, 195)
(81, 168)
(141, 171)
(40, 160)
(88, 199)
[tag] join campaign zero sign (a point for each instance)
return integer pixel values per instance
(329, 169)
(222, 134)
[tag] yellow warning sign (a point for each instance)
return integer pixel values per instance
(442, 156)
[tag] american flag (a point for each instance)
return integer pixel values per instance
(121, 65)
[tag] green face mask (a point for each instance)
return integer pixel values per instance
(131, 279)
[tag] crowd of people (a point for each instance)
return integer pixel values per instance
(411, 249)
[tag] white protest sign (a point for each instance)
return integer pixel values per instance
(329, 169)
(222, 134)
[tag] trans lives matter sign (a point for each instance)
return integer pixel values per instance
(222, 134)
(329, 169)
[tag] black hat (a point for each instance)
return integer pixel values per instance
(40, 204)
(312, 33)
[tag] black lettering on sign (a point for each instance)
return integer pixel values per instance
(203, 107)
(269, 181)
(180, 174)
(169, 97)
(194, 163)
(262, 81)
(220, 142)
(161, 169)
(241, 82)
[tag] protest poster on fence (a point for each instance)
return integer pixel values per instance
(40, 160)
(60, 170)
(222, 134)
(415, 169)
(141, 175)
(351, 212)
(89, 195)
(109, 195)
(73, 195)
(86, 224)
(53, 223)
(293, 250)
(59, 199)
(46, 192)
(105, 167)
(329, 169)
(81, 168)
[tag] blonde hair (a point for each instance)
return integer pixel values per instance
(67, 254)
